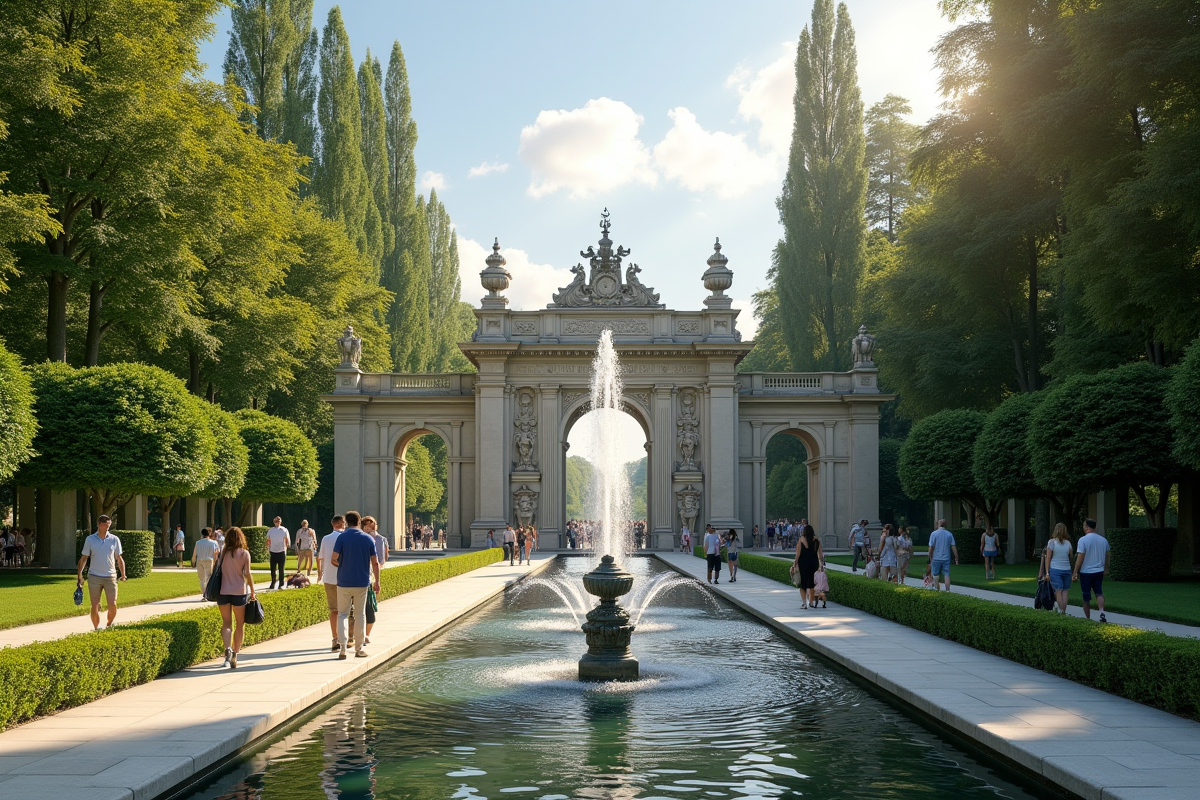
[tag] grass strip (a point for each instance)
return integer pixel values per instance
(79, 669)
(1148, 667)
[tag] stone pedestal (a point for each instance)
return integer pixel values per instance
(1014, 551)
(609, 657)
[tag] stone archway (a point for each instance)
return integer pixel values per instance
(399, 517)
(812, 447)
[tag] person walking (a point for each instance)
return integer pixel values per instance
(354, 556)
(809, 558)
(712, 554)
(989, 545)
(204, 553)
(1056, 565)
(237, 584)
(371, 528)
(904, 551)
(889, 559)
(509, 538)
(533, 541)
(521, 537)
(860, 540)
(279, 541)
(941, 547)
(1091, 565)
(103, 550)
(179, 544)
(491, 540)
(685, 540)
(306, 543)
(327, 576)
(731, 552)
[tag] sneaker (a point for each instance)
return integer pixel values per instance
(824, 604)
(233, 661)
(228, 655)
(336, 646)
(360, 653)
(1102, 619)
(803, 605)
(718, 580)
(341, 654)
(366, 641)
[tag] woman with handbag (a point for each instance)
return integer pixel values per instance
(809, 558)
(904, 551)
(236, 585)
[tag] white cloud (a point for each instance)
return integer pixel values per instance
(746, 321)
(532, 284)
(585, 150)
(768, 99)
(433, 180)
(703, 160)
(486, 168)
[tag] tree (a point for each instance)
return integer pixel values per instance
(1183, 402)
(340, 180)
(262, 37)
(1104, 431)
(118, 431)
(892, 500)
(232, 459)
(375, 157)
(787, 478)
(422, 491)
(936, 460)
(17, 422)
(578, 479)
(770, 353)
(890, 142)
(300, 89)
(445, 285)
(824, 194)
(1001, 462)
(283, 462)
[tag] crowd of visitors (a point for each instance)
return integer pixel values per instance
(16, 546)
(424, 537)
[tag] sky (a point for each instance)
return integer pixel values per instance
(676, 116)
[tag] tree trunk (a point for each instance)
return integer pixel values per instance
(95, 330)
(166, 504)
(56, 316)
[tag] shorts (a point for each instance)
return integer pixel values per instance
(714, 562)
(178, 548)
(231, 599)
(331, 597)
(733, 556)
(991, 553)
(1060, 579)
(108, 584)
(939, 566)
(1091, 582)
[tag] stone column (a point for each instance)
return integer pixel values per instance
(758, 481)
(195, 517)
(831, 515)
(941, 510)
(1014, 552)
(457, 519)
(720, 449)
(1110, 509)
(399, 502)
(26, 516)
(349, 455)
(385, 512)
(135, 515)
(492, 463)
(663, 519)
(58, 516)
(864, 462)
(1187, 543)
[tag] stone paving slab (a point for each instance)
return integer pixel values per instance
(139, 743)
(59, 628)
(1090, 743)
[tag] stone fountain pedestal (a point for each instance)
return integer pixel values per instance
(609, 657)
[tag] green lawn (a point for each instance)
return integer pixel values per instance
(29, 596)
(1177, 601)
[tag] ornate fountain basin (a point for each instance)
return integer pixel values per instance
(608, 631)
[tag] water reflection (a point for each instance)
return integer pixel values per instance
(725, 708)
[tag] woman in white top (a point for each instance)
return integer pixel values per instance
(306, 541)
(888, 560)
(1056, 565)
(904, 551)
(989, 545)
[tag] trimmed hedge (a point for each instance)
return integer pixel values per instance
(1148, 667)
(1140, 554)
(46, 677)
(137, 548)
(256, 542)
(78, 669)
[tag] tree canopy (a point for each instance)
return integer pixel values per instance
(17, 422)
(936, 460)
(1183, 402)
(283, 462)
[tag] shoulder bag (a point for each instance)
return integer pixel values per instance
(254, 612)
(212, 589)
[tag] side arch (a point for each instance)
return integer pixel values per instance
(816, 500)
(400, 438)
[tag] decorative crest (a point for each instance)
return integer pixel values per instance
(604, 287)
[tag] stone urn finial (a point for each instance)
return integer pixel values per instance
(495, 278)
(717, 278)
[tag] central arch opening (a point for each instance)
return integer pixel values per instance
(422, 492)
(626, 453)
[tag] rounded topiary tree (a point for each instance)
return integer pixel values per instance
(1108, 429)
(17, 423)
(936, 459)
(283, 462)
(1001, 462)
(232, 459)
(118, 431)
(1183, 403)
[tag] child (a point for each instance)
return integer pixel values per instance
(929, 577)
(821, 586)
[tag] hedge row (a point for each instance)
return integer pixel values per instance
(137, 548)
(256, 542)
(1146, 666)
(1140, 554)
(79, 669)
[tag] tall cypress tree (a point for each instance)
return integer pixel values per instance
(262, 37)
(375, 155)
(444, 285)
(340, 181)
(824, 194)
(407, 274)
(299, 124)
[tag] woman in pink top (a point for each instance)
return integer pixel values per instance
(235, 578)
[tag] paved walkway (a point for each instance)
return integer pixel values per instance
(58, 628)
(1091, 743)
(137, 744)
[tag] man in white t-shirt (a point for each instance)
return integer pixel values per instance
(327, 573)
(204, 553)
(104, 552)
(1091, 565)
(278, 542)
(712, 553)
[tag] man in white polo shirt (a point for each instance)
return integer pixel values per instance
(327, 574)
(278, 542)
(104, 551)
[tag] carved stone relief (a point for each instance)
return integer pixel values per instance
(604, 288)
(687, 500)
(593, 327)
(525, 505)
(525, 327)
(525, 439)
(688, 326)
(688, 425)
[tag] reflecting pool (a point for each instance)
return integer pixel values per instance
(725, 708)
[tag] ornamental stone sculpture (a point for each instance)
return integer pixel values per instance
(350, 348)
(525, 503)
(688, 502)
(717, 278)
(525, 439)
(495, 278)
(688, 423)
(604, 288)
(862, 348)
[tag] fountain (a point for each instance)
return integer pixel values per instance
(608, 630)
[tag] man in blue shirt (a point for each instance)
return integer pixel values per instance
(941, 546)
(356, 562)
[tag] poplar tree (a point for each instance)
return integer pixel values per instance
(408, 272)
(262, 37)
(300, 89)
(375, 155)
(824, 193)
(891, 140)
(445, 285)
(340, 181)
